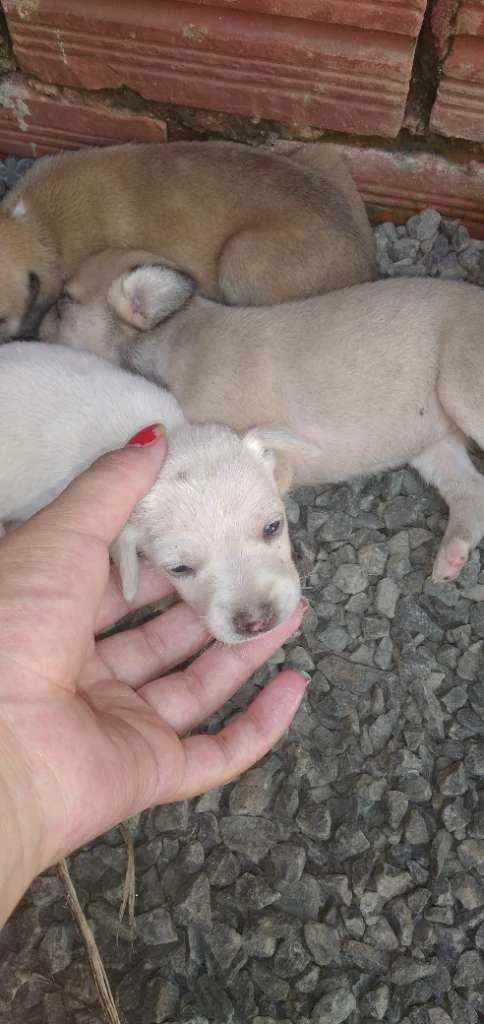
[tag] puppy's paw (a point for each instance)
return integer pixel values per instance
(451, 558)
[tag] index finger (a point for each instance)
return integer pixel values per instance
(186, 698)
(211, 761)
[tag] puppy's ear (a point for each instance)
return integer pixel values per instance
(145, 296)
(279, 449)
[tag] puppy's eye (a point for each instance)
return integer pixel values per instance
(182, 570)
(272, 529)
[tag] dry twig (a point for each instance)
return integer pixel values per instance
(100, 977)
(129, 887)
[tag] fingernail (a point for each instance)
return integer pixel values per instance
(305, 675)
(148, 435)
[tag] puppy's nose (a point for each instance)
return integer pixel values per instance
(251, 622)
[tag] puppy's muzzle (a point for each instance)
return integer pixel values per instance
(251, 622)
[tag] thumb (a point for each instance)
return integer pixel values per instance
(101, 499)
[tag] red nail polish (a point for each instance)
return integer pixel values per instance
(148, 435)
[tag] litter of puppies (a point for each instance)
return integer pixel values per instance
(339, 389)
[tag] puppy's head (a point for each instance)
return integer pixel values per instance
(29, 277)
(115, 294)
(215, 523)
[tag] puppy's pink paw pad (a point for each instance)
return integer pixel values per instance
(450, 561)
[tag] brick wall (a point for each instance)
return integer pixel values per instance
(399, 84)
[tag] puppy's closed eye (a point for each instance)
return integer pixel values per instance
(182, 570)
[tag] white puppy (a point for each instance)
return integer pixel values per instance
(214, 520)
(369, 376)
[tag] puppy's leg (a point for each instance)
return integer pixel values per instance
(324, 160)
(268, 265)
(448, 467)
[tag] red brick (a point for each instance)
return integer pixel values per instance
(441, 19)
(396, 184)
(34, 121)
(470, 18)
(459, 107)
(403, 16)
(289, 69)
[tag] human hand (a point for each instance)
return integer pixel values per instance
(89, 732)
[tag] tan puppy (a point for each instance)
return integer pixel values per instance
(251, 227)
(363, 379)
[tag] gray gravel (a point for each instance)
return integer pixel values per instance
(341, 880)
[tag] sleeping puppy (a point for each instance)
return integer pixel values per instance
(369, 377)
(249, 226)
(235, 571)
